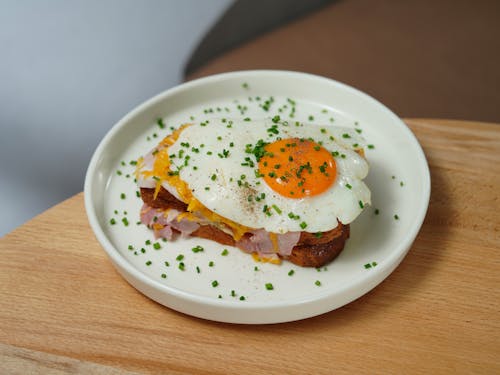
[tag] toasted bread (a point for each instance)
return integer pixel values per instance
(312, 250)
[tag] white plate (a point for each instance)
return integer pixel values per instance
(399, 181)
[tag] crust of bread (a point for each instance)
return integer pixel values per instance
(320, 253)
(312, 250)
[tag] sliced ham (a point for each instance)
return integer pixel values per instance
(287, 242)
(147, 164)
(147, 214)
(257, 241)
(162, 222)
(165, 232)
(260, 241)
(186, 227)
(304, 249)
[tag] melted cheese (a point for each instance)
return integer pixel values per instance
(161, 173)
(260, 258)
(274, 240)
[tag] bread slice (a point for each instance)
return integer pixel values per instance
(312, 250)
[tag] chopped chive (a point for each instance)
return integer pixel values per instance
(291, 272)
(224, 252)
(317, 283)
(215, 283)
(157, 246)
(269, 286)
(160, 123)
(197, 249)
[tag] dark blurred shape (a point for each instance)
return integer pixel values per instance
(244, 20)
(422, 58)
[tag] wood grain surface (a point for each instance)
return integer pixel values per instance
(64, 307)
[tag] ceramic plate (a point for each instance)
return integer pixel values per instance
(228, 285)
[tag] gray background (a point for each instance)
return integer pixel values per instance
(69, 70)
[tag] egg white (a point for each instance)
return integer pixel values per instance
(209, 156)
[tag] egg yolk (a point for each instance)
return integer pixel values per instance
(297, 168)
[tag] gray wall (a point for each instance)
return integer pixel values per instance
(68, 71)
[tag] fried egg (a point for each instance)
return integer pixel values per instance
(277, 175)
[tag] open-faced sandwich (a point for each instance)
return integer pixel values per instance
(275, 189)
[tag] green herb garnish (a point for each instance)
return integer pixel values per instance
(197, 249)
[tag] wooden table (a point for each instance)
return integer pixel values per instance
(64, 308)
